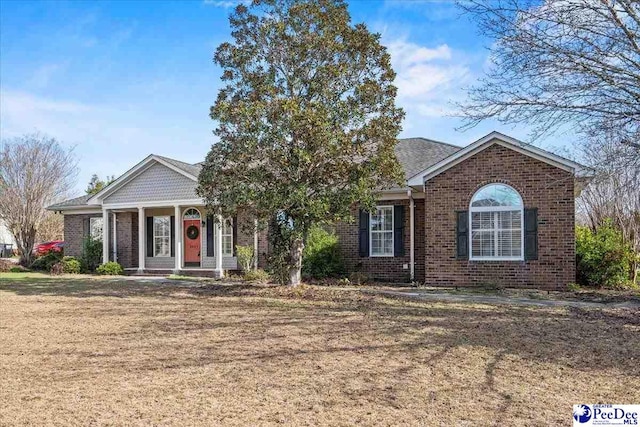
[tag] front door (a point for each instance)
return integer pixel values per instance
(192, 241)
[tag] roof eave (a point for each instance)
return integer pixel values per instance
(485, 142)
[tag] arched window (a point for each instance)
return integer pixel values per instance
(495, 216)
(191, 213)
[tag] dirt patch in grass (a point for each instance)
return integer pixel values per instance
(585, 295)
(115, 352)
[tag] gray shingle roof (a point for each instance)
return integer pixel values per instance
(187, 167)
(414, 155)
(417, 154)
(71, 203)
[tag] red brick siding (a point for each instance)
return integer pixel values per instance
(74, 233)
(127, 235)
(382, 268)
(541, 186)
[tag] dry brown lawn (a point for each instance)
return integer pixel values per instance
(92, 352)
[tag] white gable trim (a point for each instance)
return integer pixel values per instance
(506, 141)
(131, 174)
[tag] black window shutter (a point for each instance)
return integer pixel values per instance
(398, 231)
(364, 233)
(462, 234)
(531, 233)
(173, 235)
(210, 247)
(234, 224)
(150, 236)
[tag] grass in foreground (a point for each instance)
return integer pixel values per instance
(106, 351)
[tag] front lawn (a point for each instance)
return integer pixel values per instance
(96, 351)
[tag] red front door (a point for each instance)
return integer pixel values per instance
(192, 241)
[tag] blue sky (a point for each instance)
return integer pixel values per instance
(120, 80)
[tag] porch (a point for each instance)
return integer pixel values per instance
(168, 239)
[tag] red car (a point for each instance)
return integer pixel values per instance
(45, 248)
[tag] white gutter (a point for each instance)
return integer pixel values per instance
(412, 264)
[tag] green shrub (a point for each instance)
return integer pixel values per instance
(71, 265)
(258, 275)
(603, 258)
(573, 287)
(245, 257)
(321, 256)
(110, 269)
(91, 254)
(17, 270)
(45, 262)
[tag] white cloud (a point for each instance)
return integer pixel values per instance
(108, 139)
(226, 4)
(428, 78)
(43, 74)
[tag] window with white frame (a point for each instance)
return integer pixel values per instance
(495, 216)
(381, 231)
(227, 237)
(95, 228)
(161, 236)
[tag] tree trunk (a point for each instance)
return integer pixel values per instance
(26, 242)
(295, 267)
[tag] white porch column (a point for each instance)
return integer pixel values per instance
(105, 236)
(142, 242)
(115, 237)
(218, 242)
(178, 239)
(412, 254)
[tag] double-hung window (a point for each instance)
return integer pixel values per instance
(381, 231)
(496, 217)
(161, 236)
(95, 227)
(227, 237)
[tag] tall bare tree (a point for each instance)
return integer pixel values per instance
(562, 63)
(614, 192)
(51, 228)
(35, 171)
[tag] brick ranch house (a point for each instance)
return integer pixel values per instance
(497, 212)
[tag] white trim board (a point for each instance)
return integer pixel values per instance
(187, 203)
(79, 211)
(506, 141)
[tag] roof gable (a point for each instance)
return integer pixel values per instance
(489, 140)
(185, 169)
(157, 182)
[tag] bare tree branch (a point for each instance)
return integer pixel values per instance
(35, 171)
(555, 64)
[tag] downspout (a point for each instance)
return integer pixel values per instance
(412, 256)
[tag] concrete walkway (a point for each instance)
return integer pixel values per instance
(423, 294)
(496, 299)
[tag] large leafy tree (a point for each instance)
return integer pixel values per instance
(307, 119)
